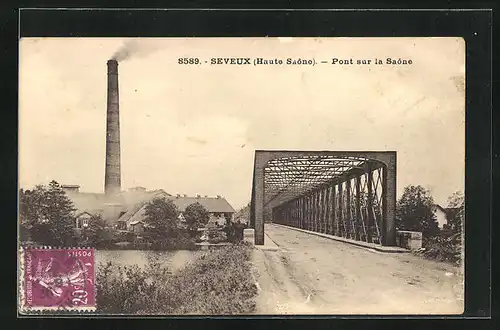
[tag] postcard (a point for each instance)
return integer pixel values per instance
(241, 176)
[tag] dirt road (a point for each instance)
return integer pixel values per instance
(315, 275)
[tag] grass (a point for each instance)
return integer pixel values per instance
(218, 283)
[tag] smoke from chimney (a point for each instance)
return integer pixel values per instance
(135, 48)
(112, 176)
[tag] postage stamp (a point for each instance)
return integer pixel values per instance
(57, 279)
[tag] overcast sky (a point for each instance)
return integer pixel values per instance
(194, 129)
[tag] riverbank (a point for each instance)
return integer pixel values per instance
(217, 282)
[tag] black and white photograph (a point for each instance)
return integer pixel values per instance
(242, 175)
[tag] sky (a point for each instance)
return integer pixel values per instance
(194, 128)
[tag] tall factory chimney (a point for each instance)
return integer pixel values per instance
(112, 176)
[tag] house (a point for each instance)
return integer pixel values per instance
(82, 220)
(444, 216)
(440, 214)
(136, 212)
(218, 207)
(111, 209)
(136, 226)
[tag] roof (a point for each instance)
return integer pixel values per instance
(439, 207)
(134, 203)
(84, 213)
(133, 223)
(137, 212)
(88, 202)
(132, 212)
(212, 204)
(137, 188)
(131, 201)
(450, 212)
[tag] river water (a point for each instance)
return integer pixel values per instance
(173, 260)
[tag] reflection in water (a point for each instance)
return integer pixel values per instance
(173, 260)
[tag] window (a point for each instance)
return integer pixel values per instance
(82, 222)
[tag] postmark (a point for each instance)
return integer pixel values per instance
(57, 279)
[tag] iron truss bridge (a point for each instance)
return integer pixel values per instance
(344, 193)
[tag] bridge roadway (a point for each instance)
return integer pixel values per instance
(309, 274)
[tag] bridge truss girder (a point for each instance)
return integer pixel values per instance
(343, 193)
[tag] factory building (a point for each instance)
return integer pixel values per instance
(125, 209)
(218, 207)
(129, 212)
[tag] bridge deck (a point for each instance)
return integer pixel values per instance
(310, 274)
(375, 246)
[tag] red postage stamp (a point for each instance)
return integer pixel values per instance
(57, 279)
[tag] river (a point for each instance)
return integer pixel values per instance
(173, 260)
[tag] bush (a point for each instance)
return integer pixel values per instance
(110, 237)
(217, 283)
(447, 249)
(216, 236)
(176, 243)
(121, 290)
(125, 236)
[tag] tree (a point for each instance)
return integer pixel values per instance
(47, 213)
(161, 218)
(414, 211)
(33, 215)
(456, 214)
(59, 211)
(196, 215)
(31, 205)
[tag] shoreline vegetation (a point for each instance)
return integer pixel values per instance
(216, 283)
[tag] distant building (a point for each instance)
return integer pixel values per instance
(444, 215)
(71, 188)
(136, 226)
(82, 220)
(218, 207)
(137, 189)
(109, 208)
(126, 211)
(440, 214)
